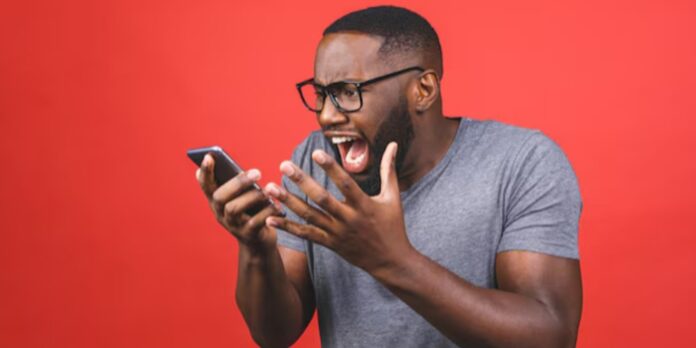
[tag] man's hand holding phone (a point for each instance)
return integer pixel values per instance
(233, 204)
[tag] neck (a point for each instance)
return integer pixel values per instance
(433, 137)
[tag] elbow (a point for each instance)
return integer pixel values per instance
(272, 338)
(563, 336)
(264, 341)
(569, 338)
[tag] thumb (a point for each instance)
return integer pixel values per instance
(390, 183)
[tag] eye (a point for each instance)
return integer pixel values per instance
(349, 91)
(319, 92)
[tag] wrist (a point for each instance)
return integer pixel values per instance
(255, 252)
(397, 268)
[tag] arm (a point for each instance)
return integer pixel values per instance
(537, 303)
(274, 292)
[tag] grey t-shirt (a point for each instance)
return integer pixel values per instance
(497, 188)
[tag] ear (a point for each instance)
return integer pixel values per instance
(426, 90)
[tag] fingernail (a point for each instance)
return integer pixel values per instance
(270, 221)
(206, 161)
(287, 168)
(273, 190)
(319, 157)
(254, 174)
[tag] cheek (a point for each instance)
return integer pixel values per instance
(367, 123)
(371, 118)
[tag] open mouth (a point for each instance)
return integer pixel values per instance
(355, 154)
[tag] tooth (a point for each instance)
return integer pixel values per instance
(340, 140)
(357, 160)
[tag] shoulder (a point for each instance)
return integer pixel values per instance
(529, 148)
(513, 141)
(495, 143)
(520, 154)
(503, 136)
(531, 162)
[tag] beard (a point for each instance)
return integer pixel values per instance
(396, 127)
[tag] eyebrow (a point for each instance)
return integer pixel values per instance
(351, 80)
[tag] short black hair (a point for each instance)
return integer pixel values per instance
(403, 30)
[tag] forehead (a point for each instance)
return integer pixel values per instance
(347, 56)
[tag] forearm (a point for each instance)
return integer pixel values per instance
(267, 299)
(470, 315)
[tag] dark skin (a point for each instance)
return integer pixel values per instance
(538, 298)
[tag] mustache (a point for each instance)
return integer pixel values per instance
(333, 128)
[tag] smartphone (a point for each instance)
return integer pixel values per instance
(225, 169)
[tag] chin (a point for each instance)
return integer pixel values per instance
(368, 180)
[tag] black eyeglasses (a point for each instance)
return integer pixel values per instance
(345, 95)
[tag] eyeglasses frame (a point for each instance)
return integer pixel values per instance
(358, 87)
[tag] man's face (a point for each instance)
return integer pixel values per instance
(362, 136)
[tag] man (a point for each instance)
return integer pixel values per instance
(405, 228)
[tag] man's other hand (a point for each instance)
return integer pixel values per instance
(368, 232)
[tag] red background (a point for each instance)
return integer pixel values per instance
(106, 241)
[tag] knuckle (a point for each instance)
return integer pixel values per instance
(307, 216)
(301, 232)
(322, 198)
(230, 227)
(344, 183)
(242, 234)
(298, 177)
(240, 181)
(216, 208)
(258, 195)
(252, 222)
(283, 194)
(218, 197)
(231, 209)
(329, 242)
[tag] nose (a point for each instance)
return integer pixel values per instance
(330, 115)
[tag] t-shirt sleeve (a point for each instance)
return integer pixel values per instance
(299, 157)
(543, 202)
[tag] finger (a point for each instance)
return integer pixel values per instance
(344, 182)
(254, 224)
(314, 191)
(236, 186)
(206, 176)
(241, 204)
(308, 232)
(309, 214)
(387, 170)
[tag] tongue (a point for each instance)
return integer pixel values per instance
(356, 158)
